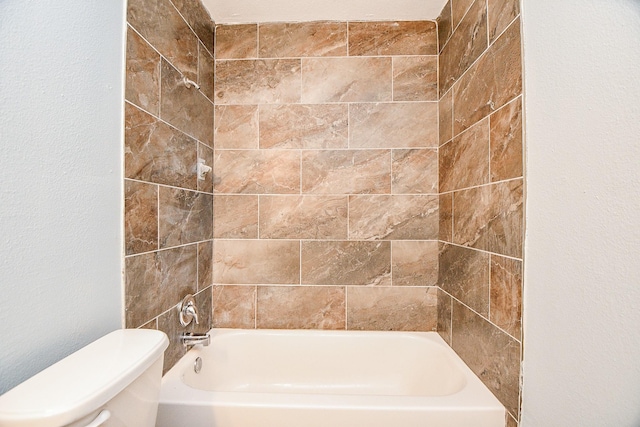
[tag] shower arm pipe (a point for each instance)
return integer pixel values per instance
(188, 83)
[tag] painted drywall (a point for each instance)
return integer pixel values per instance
(251, 11)
(582, 262)
(61, 85)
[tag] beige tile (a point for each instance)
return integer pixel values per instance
(236, 126)
(346, 263)
(301, 307)
(490, 353)
(140, 217)
(444, 315)
(391, 308)
(142, 74)
(467, 43)
(156, 281)
(464, 274)
(506, 294)
(396, 217)
(506, 142)
(445, 112)
(234, 306)
(198, 19)
(346, 80)
(446, 217)
(256, 262)
(156, 152)
(510, 421)
(464, 161)
(459, 9)
(414, 171)
(394, 125)
(304, 126)
(393, 38)
(257, 171)
(302, 39)
(163, 27)
(444, 26)
(472, 211)
(415, 78)
(415, 263)
(205, 264)
(494, 80)
(206, 67)
(346, 171)
(236, 41)
(184, 216)
(235, 217)
(501, 14)
(303, 217)
(184, 107)
(264, 81)
(205, 153)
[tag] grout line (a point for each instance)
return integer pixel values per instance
(169, 248)
(483, 251)
(482, 185)
(170, 186)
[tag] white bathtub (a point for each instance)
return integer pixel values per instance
(293, 378)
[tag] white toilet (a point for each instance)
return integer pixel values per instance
(112, 382)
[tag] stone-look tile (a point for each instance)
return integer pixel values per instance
(301, 307)
(256, 171)
(459, 9)
(198, 19)
(397, 217)
(235, 217)
(256, 262)
(140, 217)
(444, 26)
(415, 78)
(184, 107)
(236, 41)
(467, 43)
(156, 152)
(490, 353)
(446, 217)
(307, 126)
(393, 38)
(501, 14)
(346, 263)
(206, 66)
(346, 171)
(445, 120)
(414, 171)
(303, 217)
(142, 74)
(464, 273)
(444, 315)
(301, 39)
(415, 263)
(464, 161)
(184, 216)
(234, 306)
(236, 126)
(346, 80)
(156, 281)
(510, 421)
(205, 264)
(506, 294)
(393, 125)
(205, 153)
(152, 324)
(494, 80)
(506, 142)
(264, 81)
(163, 27)
(392, 309)
(490, 218)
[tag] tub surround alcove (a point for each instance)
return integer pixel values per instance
(367, 175)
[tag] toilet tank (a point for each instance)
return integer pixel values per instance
(112, 382)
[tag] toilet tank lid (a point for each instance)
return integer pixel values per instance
(84, 380)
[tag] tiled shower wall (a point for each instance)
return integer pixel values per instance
(326, 185)
(168, 126)
(481, 191)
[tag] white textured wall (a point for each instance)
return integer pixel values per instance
(582, 261)
(61, 91)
